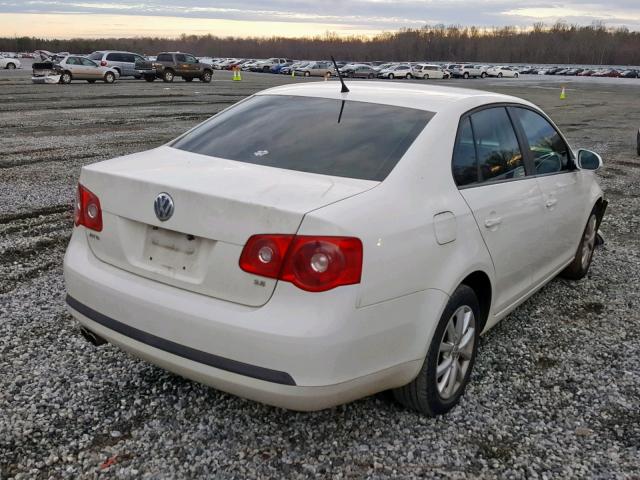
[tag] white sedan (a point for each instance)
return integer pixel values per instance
(500, 72)
(309, 260)
(10, 63)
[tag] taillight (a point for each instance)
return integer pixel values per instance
(87, 211)
(315, 264)
(103, 63)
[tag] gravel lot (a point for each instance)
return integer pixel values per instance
(556, 388)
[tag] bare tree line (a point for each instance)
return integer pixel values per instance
(559, 43)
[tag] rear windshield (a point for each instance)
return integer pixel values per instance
(316, 135)
(96, 55)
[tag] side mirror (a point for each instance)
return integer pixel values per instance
(588, 160)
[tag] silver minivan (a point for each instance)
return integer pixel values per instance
(123, 62)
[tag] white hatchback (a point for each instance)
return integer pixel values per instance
(307, 247)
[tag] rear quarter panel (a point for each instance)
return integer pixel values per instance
(395, 223)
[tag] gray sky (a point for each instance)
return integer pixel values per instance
(292, 17)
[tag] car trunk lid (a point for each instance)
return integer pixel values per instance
(218, 205)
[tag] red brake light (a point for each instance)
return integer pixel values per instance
(264, 254)
(312, 263)
(103, 63)
(87, 211)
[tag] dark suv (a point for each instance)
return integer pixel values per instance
(176, 64)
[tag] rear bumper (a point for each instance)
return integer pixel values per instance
(302, 351)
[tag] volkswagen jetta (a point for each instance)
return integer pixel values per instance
(308, 247)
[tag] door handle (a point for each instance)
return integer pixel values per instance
(492, 222)
(551, 202)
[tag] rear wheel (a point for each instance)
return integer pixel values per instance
(516, 75)
(168, 76)
(466, 75)
(449, 361)
(483, 75)
(66, 78)
(500, 75)
(409, 76)
(109, 77)
(579, 267)
(206, 77)
(391, 76)
(11, 66)
(371, 76)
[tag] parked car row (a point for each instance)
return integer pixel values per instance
(169, 65)
(582, 72)
(109, 65)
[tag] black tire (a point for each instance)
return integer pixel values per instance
(207, 76)
(579, 266)
(266, 69)
(66, 78)
(500, 75)
(516, 75)
(422, 393)
(409, 76)
(426, 76)
(150, 79)
(11, 66)
(391, 76)
(371, 76)
(109, 77)
(466, 75)
(168, 76)
(483, 75)
(188, 79)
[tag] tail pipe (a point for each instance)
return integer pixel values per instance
(93, 338)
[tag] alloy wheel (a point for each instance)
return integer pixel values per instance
(455, 352)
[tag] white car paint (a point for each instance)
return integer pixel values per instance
(500, 71)
(10, 63)
(429, 71)
(421, 237)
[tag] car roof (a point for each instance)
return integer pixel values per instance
(431, 98)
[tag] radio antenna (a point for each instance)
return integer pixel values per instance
(344, 87)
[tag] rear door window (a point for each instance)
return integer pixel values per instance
(164, 57)
(318, 135)
(114, 57)
(497, 148)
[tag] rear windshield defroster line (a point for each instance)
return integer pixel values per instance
(317, 135)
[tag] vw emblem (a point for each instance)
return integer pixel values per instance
(163, 206)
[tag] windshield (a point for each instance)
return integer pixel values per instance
(317, 135)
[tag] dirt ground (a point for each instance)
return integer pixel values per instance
(48, 132)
